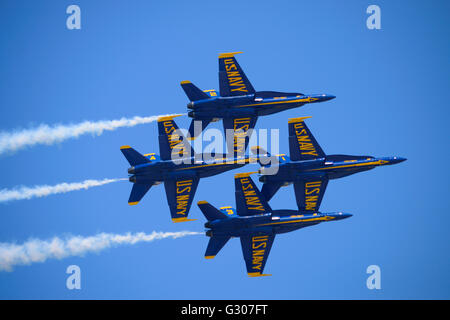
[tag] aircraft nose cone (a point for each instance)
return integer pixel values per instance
(342, 215)
(323, 97)
(395, 160)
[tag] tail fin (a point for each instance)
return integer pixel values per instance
(210, 212)
(249, 200)
(133, 157)
(302, 144)
(172, 143)
(215, 244)
(232, 79)
(138, 191)
(193, 92)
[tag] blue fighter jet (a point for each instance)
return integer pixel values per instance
(238, 104)
(255, 223)
(309, 168)
(177, 166)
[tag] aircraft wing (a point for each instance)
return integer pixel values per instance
(242, 129)
(249, 201)
(256, 248)
(180, 193)
(309, 193)
(232, 80)
(302, 144)
(172, 143)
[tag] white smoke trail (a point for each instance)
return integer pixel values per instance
(44, 134)
(22, 193)
(36, 250)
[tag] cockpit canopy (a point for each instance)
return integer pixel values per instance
(344, 157)
(273, 94)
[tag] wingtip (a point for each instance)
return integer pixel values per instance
(133, 203)
(167, 118)
(202, 202)
(229, 54)
(257, 274)
(185, 82)
(184, 219)
(244, 174)
(209, 257)
(299, 119)
(125, 147)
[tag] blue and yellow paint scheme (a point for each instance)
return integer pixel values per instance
(255, 223)
(309, 169)
(177, 166)
(237, 103)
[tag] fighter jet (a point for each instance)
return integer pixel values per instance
(255, 223)
(177, 166)
(237, 103)
(309, 168)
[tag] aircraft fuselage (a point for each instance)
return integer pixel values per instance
(250, 105)
(290, 171)
(189, 167)
(280, 221)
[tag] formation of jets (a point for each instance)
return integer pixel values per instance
(237, 103)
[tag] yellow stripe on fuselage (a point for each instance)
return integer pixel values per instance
(371, 163)
(324, 218)
(278, 102)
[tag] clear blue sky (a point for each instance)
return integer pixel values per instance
(128, 59)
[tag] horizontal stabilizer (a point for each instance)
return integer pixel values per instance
(215, 244)
(197, 126)
(270, 188)
(138, 191)
(133, 157)
(193, 92)
(211, 213)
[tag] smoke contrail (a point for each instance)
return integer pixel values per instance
(36, 250)
(44, 134)
(22, 193)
